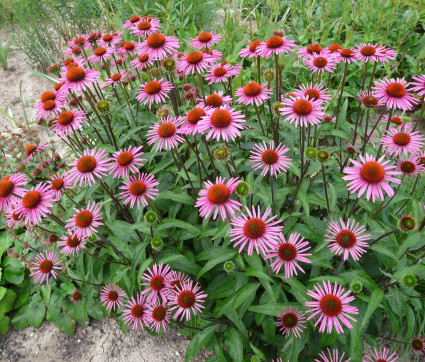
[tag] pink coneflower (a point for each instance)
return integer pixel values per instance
(158, 46)
(126, 161)
(409, 166)
(194, 62)
(347, 55)
(216, 55)
(87, 167)
(251, 51)
(71, 243)
(193, 117)
(321, 63)
(155, 279)
(135, 312)
(78, 78)
(100, 54)
(115, 79)
(418, 85)
(381, 355)
(75, 296)
(73, 51)
(138, 189)
(289, 253)
(402, 140)
(259, 232)
(291, 320)
(215, 100)
(395, 93)
(145, 27)
(317, 92)
(216, 197)
(347, 239)
(51, 106)
(270, 159)
(93, 36)
(119, 61)
(142, 62)
(11, 190)
(332, 356)
(109, 40)
(31, 150)
(332, 307)
(253, 93)
(275, 45)
(187, 300)
(371, 176)
(111, 296)
(368, 53)
(302, 111)
(167, 133)
(369, 100)
(13, 219)
(222, 123)
(418, 345)
(35, 204)
(79, 41)
(386, 54)
(176, 280)
(126, 48)
(205, 40)
(159, 316)
(58, 183)
(132, 22)
(329, 119)
(85, 221)
(154, 91)
(312, 50)
(45, 266)
(67, 122)
(220, 73)
(420, 157)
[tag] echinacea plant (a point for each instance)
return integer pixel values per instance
(267, 217)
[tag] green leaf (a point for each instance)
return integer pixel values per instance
(304, 201)
(223, 256)
(66, 324)
(199, 340)
(3, 291)
(251, 272)
(178, 196)
(244, 293)
(6, 303)
(35, 313)
(14, 276)
(297, 289)
(174, 223)
(20, 319)
(4, 324)
(54, 307)
(268, 309)
(258, 352)
(233, 342)
(374, 301)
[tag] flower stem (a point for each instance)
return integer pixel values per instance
(185, 171)
(383, 236)
(276, 62)
(386, 129)
(259, 119)
(326, 190)
(76, 280)
(104, 260)
(272, 192)
(258, 70)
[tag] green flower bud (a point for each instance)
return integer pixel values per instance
(407, 223)
(242, 189)
(276, 107)
(255, 359)
(229, 266)
(163, 112)
(268, 75)
(281, 64)
(157, 244)
(409, 281)
(222, 153)
(154, 72)
(323, 155)
(150, 217)
(356, 286)
(103, 106)
(311, 153)
(169, 64)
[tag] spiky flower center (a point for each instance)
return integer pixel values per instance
(195, 115)
(159, 313)
(214, 100)
(48, 96)
(112, 296)
(401, 138)
(76, 50)
(76, 296)
(346, 239)
(73, 241)
(421, 160)
(417, 344)
(65, 118)
(370, 101)
(166, 129)
(176, 285)
(107, 37)
(194, 57)
(124, 158)
(186, 299)
(100, 51)
(254, 228)
(221, 118)
(289, 320)
(334, 47)
(57, 183)
(253, 46)
(137, 188)
(31, 199)
(83, 219)
(144, 25)
(57, 86)
(314, 48)
(274, 42)
(372, 172)
(312, 93)
(86, 164)
(153, 87)
(157, 282)
(16, 216)
(302, 107)
(320, 62)
(218, 194)
(128, 45)
(287, 252)
(134, 19)
(30, 149)
(6, 187)
(204, 37)
(407, 166)
(407, 223)
(368, 50)
(137, 311)
(75, 74)
(220, 71)
(116, 77)
(331, 305)
(79, 40)
(396, 120)
(156, 40)
(49, 105)
(252, 89)
(395, 90)
(45, 266)
(269, 157)
(346, 53)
